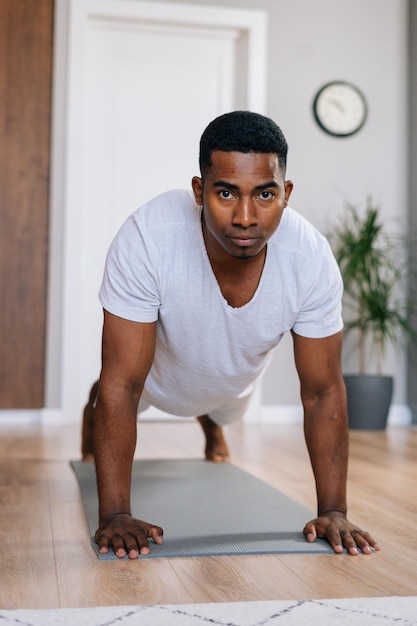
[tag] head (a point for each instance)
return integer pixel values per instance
(242, 188)
(242, 131)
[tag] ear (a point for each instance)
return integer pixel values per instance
(288, 186)
(197, 185)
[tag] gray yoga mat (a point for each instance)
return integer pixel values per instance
(206, 509)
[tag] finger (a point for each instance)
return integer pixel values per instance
(118, 546)
(131, 546)
(336, 540)
(103, 542)
(349, 542)
(364, 541)
(143, 544)
(310, 532)
(371, 541)
(156, 534)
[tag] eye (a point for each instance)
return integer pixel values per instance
(266, 195)
(225, 194)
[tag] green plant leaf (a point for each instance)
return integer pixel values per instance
(374, 281)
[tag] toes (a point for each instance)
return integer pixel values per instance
(217, 457)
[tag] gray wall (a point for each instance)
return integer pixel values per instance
(309, 43)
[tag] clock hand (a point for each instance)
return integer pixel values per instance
(338, 105)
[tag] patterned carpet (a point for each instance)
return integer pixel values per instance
(395, 611)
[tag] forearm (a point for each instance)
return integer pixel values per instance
(327, 438)
(115, 442)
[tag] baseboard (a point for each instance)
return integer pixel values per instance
(20, 417)
(399, 415)
(280, 414)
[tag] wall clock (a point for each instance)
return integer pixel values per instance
(340, 108)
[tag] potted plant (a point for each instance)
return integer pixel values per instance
(376, 311)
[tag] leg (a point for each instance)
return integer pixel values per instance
(216, 447)
(87, 445)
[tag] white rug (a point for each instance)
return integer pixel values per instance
(398, 611)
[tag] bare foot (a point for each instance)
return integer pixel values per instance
(216, 446)
(87, 445)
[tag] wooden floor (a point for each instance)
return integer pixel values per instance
(46, 560)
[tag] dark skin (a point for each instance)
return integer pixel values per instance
(243, 198)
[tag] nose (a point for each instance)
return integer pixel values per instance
(244, 214)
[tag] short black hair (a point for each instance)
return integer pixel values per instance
(242, 131)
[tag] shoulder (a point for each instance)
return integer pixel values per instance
(169, 208)
(295, 228)
(168, 221)
(296, 236)
(161, 216)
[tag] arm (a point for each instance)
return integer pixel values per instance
(127, 356)
(326, 431)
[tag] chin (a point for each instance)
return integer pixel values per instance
(244, 255)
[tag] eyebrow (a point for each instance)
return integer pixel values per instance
(225, 183)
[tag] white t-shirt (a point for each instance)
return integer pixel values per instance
(207, 352)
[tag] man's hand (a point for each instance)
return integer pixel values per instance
(341, 534)
(127, 535)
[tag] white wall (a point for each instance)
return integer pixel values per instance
(311, 42)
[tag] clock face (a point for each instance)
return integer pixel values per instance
(340, 109)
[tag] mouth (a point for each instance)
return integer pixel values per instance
(244, 242)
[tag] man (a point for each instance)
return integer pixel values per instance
(198, 289)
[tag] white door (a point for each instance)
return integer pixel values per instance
(142, 85)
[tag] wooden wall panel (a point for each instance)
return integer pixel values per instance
(26, 28)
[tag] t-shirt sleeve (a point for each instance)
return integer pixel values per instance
(130, 287)
(321, 313)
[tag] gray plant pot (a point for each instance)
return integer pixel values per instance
(369, 400)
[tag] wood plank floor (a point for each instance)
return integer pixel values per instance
(46, 560)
